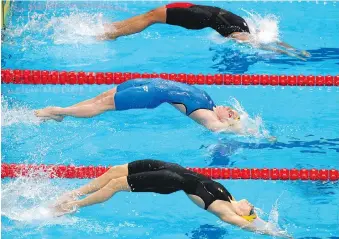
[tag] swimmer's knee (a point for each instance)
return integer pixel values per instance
(156, 15)
(104, 103)
(118, 171)
(118, 184)
(106, 94)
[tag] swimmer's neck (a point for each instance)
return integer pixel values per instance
(210, 120)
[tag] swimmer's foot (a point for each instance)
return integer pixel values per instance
(64, 208)
(105, 36)
(108, 34)
(48, 113)
(67, 197)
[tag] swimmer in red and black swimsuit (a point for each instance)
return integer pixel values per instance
(187, 15)
(195, 17)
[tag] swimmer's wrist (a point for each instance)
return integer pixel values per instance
(272, 139)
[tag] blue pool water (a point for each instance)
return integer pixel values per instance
(305, 121)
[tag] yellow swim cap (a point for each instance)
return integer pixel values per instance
(250, 218)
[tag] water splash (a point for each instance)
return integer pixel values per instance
(273, 219)
(27, 199)
(274, 213)
(264, 29)
(13, 113)
(73, 28)
(76, 28)
(253, 126)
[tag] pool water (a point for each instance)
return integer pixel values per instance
(305, 121)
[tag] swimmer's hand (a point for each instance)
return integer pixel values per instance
(305, 53)
(272, 139)
(297, 56)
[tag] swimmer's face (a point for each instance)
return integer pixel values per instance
(244, 208)
(226, 114)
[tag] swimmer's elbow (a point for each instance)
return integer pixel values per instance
(237, 221)
(217, 129)
(223, 129)
(212, 127)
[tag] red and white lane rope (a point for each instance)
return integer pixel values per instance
(35, 77)
(71, 171)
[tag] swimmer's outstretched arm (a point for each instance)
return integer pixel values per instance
(236, 129)
(289, 47)
(246, 38)
(281, 51)
(258, 226)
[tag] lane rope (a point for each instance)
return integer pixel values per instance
(37, 77)
(72, 171)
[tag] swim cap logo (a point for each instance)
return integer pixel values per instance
(220, 190)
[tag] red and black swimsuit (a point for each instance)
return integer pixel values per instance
(191, 16)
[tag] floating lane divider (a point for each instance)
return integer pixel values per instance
(71, 171)
(36, 77)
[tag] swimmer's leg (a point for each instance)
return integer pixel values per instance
(97, 98)
(116, 25)
(96, 184)
(100, 182)
(79, 111)
(135, 24)
(51, 112)
(105, 193)
(128, 21)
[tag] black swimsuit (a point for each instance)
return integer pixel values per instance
(165, 178)
(193, 16)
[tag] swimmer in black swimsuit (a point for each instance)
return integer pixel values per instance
(193, 16)
(165, 178)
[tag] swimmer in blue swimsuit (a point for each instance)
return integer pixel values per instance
(149, 94)
(161, 177)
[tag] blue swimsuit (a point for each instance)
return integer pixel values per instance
(138, 94)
